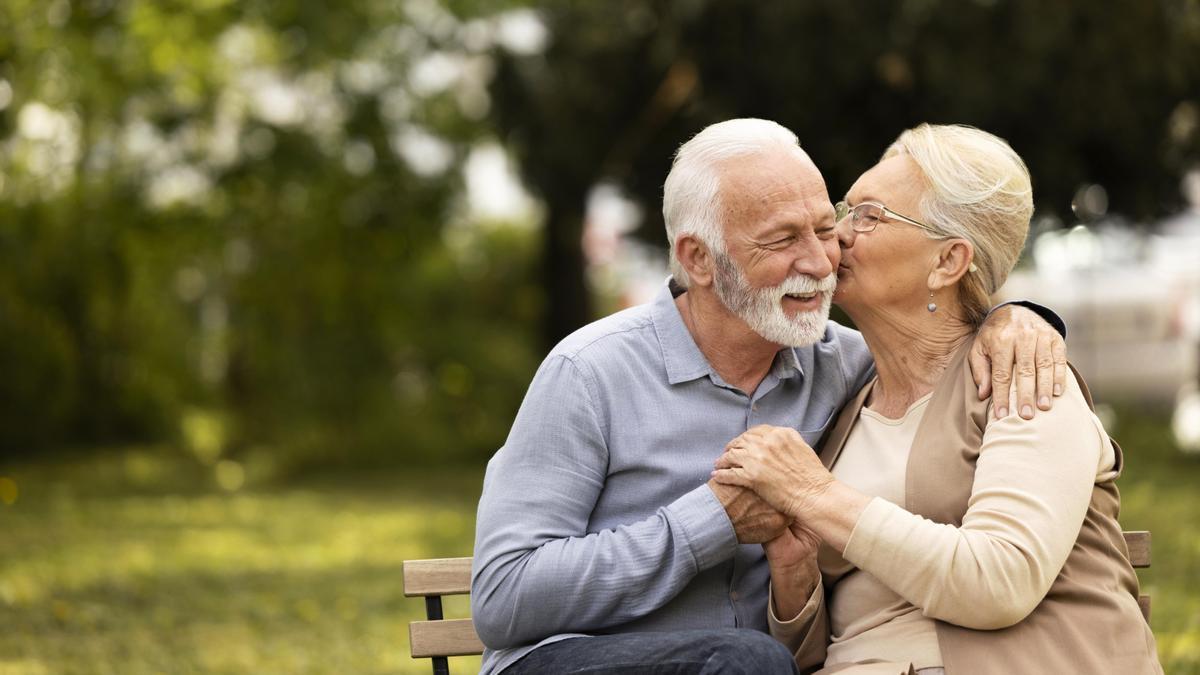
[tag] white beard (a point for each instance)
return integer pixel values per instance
(762, 308)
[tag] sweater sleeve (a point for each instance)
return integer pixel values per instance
(1033, 483)
(805, 634)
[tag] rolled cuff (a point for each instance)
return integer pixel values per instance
(705, 526)
(1046, 313)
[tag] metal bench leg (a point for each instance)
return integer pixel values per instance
(433, 612)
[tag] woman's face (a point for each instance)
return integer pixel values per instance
(886, 269)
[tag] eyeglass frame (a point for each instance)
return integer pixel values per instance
(843, 209)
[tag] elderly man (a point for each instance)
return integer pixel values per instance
(601, 545)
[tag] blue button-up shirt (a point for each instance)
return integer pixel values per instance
(596, 517)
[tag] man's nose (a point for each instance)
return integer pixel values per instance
(813, 260)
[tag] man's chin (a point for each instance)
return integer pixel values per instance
(801, 330)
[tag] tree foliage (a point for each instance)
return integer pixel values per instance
(1087, 92)
(241, 209)
(254, 212)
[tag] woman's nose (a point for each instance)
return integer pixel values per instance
(845, 233)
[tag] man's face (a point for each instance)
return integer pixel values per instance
(783, 251)
(762, 308)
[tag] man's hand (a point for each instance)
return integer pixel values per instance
(753, 520)
(1015, 339)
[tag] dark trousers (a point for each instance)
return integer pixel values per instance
(732, 650)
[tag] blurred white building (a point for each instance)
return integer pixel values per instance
(1131, 301)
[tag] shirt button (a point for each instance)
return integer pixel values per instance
(733, 595)
(754, 407)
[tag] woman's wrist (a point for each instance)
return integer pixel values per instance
(833, 512)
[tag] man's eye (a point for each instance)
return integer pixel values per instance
(826, 233)
(782, 242)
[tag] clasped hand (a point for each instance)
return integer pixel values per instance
(777, 469)
(777, 465)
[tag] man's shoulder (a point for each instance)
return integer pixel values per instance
(615, 333)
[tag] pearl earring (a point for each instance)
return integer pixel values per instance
(932, 306)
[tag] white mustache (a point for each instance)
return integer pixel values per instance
(806, 284)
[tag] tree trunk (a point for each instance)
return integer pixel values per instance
(568, 303)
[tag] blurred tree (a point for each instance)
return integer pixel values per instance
(254, 211)
(241, 209)
(1087, 92)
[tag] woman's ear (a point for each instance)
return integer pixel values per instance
(954, 260)
(696, 260)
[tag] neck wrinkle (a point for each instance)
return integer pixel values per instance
(911, 352)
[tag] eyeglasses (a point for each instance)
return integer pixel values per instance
(865, 217)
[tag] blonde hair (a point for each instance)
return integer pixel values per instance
(979, 190)
(692, 192)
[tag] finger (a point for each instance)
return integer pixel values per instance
(725, 461)
(755, 433)
(1059, 349)
(980, 369)
(1026, 368)
(1002, 372)
(731, 477)
(1044, 359)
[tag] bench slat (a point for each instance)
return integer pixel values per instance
(451, 637)
(1139, 548)
(457, 637)
(439, 576)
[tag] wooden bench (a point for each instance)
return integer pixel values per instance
(437, 638)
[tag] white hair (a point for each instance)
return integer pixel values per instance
(692, 192)
(978, 190)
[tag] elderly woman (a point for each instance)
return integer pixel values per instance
(948, 538)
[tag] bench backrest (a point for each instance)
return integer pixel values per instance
(438, 638)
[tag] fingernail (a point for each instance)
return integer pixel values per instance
(1044, 402)
(1002, 412)
(1057, 389)
(1027, 412)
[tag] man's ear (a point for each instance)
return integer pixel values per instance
(954, 260)
(696, 260)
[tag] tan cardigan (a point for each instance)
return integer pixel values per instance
(1089, 620)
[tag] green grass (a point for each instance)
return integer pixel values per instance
(103, 574)
(138, 562)
(1159, 492)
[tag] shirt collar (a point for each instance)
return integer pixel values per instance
(683, 359)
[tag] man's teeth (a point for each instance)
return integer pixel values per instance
(802, 296)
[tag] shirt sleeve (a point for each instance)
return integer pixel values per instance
(1033, 484)
(807, 633)
(537, 570)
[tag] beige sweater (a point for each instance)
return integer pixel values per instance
(900, 571)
